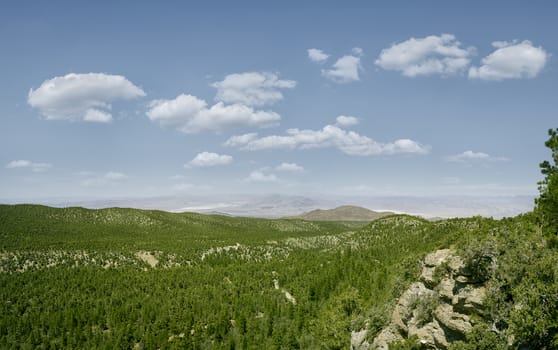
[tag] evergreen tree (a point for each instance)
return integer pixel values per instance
(547, 203)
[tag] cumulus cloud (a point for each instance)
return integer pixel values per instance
(511, 60)
(346, 69)
(348, 142)
(109, 178)
(252, 88)
(344, 121)
(260, 176)
(426, 56)
(209, 159)
(290, 167)
(27, 164)
(190, 114)
(470, 156)
(317, 55)
(82, 97)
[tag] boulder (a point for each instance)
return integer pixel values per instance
(445, 289)
(455, 297)
(403, 311)
(427, 276)
(457, 323)
(385, 337)
(358, 340)
(438, 257)
(470, 299)
(457, 264)
(430, 335)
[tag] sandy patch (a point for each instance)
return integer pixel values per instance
(147, 257)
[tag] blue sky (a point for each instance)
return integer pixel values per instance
(138, 99)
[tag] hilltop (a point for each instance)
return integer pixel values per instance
(342, 213)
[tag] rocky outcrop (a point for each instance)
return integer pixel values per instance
(437, 309)
(358, 340)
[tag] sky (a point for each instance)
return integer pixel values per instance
(110, 99)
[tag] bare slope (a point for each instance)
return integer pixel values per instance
(343, 213)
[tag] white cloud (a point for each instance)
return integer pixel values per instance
(252, 88)
(344, 121)
(317, 55)
(260, 176)
(357, 51)
(239, 140)
(470, 156)
(511, 60)
(346, 69)
(348, 142)
(108, 178)
(190, 114)
(209, 159)
(95, 115)
(290, 167)
(115, 176)
(82, 97)
(34, 166)
(426, 56)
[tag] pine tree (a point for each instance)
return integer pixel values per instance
(547, 203)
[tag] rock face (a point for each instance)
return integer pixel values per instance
(437, 310)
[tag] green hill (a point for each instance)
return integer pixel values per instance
(127, 278)
(343, 213)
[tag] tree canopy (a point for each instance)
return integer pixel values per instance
(547, 203)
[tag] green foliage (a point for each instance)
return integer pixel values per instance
(481, 338)
(424, 306)
(521, 273)
(411, 343)
(534, 320)
(72, 278)
(480, 261)
(547, 203)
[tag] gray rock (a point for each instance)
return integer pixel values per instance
(445, 288)
(470, 299)
(462, 279)
(430, 335)
(427, 276)
(385, 337)
(438, 257)
(456, 264)
(456, 322)
(458, 298)
(403, 312)
(358, 340)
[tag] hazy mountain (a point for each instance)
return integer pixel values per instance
(280, 205)
(343, 213)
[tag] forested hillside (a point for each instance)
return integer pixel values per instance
(122, 277)
(127, 278)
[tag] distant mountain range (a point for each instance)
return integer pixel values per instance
(343, 213)
(279, 205)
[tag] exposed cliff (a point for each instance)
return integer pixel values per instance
(437, 310)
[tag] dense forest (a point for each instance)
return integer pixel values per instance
(126, 278)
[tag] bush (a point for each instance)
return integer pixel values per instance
(480, 261)
(424, 307)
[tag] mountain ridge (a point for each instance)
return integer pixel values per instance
(342, 213)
